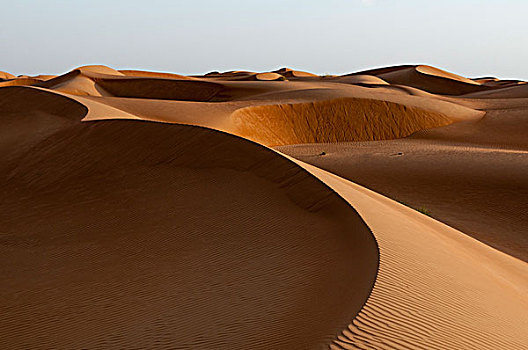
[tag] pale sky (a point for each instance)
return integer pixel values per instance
(469, 37)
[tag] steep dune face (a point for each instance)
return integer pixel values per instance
(339, 120)
(140, 73)
(164, 236)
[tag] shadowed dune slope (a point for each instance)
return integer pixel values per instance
(131, 234)
(339, 120)
(28, 116)
(157, 88)
(101, 81)
(516, 91)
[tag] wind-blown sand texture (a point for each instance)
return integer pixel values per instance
(147, 210)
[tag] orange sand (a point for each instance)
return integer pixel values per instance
(146, 210)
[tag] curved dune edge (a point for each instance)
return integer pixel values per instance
(424, 69)
(436, 288)
(338, 120)
(291, 73)
(32, 98)
(174, 236)
(426, 78)
(360, 79)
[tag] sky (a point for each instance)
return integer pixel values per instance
(473, 38)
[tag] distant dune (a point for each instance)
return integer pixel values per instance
(146, 210)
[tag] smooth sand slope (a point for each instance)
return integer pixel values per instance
(134, 234)
(143, 233)
(436, 288)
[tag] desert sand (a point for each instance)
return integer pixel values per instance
(382, 209)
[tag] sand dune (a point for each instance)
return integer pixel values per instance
(140, 73)
(361, 79)
(443, 74)
(19, 82)
(75, 83)
(142, 254)
(333, 121)
(143, 233)
(30, 115)
(427, 78)
(6, 75)
(290, 73)
(515, 91)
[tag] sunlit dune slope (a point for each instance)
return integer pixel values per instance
(360, 79)
(6, 75)
(152, 235)
(436, 288)
(141, 73)
(19, 82)
(338, 120)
